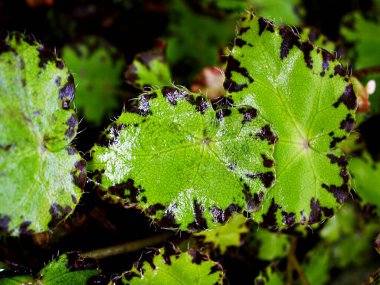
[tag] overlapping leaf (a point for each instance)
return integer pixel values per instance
(168, 266)
(306, 96)
(41, 175)
(183, 163)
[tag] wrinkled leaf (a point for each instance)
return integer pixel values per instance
(148, 69)
(41, 175)
(306, 96)
(366, 180)
(227, 235)
(67, 269)
(167, 266)
(97, 69)
(183, 163)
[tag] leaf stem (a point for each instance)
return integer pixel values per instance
(293, 264)
(365, 71)
(127, 247)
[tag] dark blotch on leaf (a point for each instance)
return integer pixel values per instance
(265, 25)
(4, 223)
(112, 135)
(66, 93)
(315, 214)
(288, 218)
(269, 219)
(240, 42)
(336, 140)
(141, 106)
(221, 216)
(249, 114)
(23, 229)
(72, 123)
(57, 213)
(168, 220)
(79, 175)
(253, 200)
(76, 262)
(267, 134)
(45, 55)
(169, 250)
(326, 58)
(217, 267)
(268, 163)
(243, 30)
(200, 222)
(266, 178)
(340, 192)
(70, 151)
(197, 256)
(289, 40)
(173, 94)
(348, 98)
(152, 210)
(348, 123)
(338, 69)
(220, 114)
(119, 190)
(234, 65)
(306, 48)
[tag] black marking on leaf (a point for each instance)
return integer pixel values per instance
(220, 114)
(269, 219)
(173, 94)
(72, 123)
(147, 257)
(66, 93)
(200, 222)
(249, 114)
(265, 25)
(234, 65)
(57, 213)
(23, 229)
(79, 174)
(340, 192)
(216, 268)
(4, 223)
(348, 123)
(76, 262)
(315, 214)
(326, 58)
(266, 178)
(168, 220)
(74, 199)
(231, 166)
(336, 140)
(267, 134)
(338, 69)
(141, 106)
(112, 135)
(243, 30)
(348, 98)
(268, 163)
(253, 201)
(119, 191)
(223, 103)
(288, 218)
(152, 210)
(289, 40)
(201, 103)
(169, 250)
(147, 57)
(220, 216)
(45, 55)
(198, 257)
(240, 42)
(58, 81)
(70, 150)
(306, 48)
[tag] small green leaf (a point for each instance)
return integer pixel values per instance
(41, 175)
(306, 95)
(225, 236)
(269, 277)
(366, 180)
(183, 163)
(272, 244)
(173, 267)
(97, 69)
(318, 265)
(148, 69)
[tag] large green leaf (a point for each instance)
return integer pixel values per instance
(168, 266)
(41, 175)
(97, 68)
(183, 163)
(67, 269)
(306, 96)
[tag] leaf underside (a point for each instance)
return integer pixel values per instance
(185, 164)
(305, 94)
(41, 175)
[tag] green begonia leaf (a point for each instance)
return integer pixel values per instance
(183, 163)
(366, 180)
(306, 96)
(227, 235)
(269, 277)
(97, 69)
(272, 245)
(318, 265)
(172, 267)
(41, 175)
(317, 38)
(148, 69)
(67, 269)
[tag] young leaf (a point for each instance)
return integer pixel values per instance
(366, 180)
(148, 69)
(318, 265)
(172, 267)
(272, 245)
(307, 97)
(97, 70)
(41, 175)
(183, 163)
(269, 277)
(227, 235)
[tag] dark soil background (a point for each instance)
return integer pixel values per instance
(132, 26)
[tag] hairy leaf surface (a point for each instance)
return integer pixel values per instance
(185, 164)
(306, 96)
(41, 175)
(167, 266)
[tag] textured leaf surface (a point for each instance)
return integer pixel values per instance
(171, 267)
(183, 163)
(67, 269)
(366, 180)
(41, 176)
(227, 235)
(148, 69)
(97, 69)
(306, 96)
